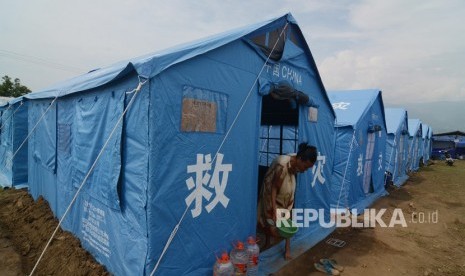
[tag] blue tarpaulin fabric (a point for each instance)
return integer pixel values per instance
(189, 143)
(42, 151)
(13, 132)
(415, 143)
(358, 178)
(6, 148)
(103, 204)
(426, 136)
(397, 145)
(108, 215)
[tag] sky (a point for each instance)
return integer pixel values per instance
(413, 50)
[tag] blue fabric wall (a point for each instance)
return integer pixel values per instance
(202, 234)
(415, 143)
(42, 151)
(13, 132)
(6, 147)
(355, 166)
(109, 214)
(426, 143)
(20, 144)
(397, 145)
(110, 195)
(173, 151)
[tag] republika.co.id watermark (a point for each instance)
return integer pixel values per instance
(345, 218)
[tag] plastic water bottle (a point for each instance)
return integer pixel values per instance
(253, 250)
(239, 259)
(223, 266)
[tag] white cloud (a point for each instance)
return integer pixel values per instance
(402, 46)
(348, 70)
(409, 49)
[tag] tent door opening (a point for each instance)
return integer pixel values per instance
(278, 134)
(367, 178)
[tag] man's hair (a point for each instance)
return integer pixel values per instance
(307, 152)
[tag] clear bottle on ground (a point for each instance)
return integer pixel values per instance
(253, 250)
(239, 258)
(223, 266)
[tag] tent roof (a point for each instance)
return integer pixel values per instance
(425, 130)
(353, 104)
(394, 118)
(459, 133)
(413, 126)
(154, 63)
(430, 133)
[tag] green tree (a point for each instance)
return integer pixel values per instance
(9, 88)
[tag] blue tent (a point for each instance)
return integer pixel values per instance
(358, 178)
(426, 143)
(13, 143)
(415, 132)
(430, 146)
(397, 145)
(186, 155)
(421, 144)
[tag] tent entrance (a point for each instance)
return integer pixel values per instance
(278, 134)
(368, 178)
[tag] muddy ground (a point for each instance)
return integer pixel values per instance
(428, 246)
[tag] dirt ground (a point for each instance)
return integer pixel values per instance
(429, 245)
(433, 247)
(25, 227)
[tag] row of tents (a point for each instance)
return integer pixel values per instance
(155, 163)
